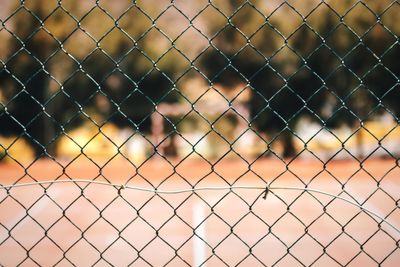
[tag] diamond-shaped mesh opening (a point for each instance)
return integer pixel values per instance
(390, 10)
(72, 47)
(294, 19)
(175, 16)
(109, 41)
(192, 50)
(248, 11)
(91, 28)
(22, 14)
(48, 245)
(353, 18)
(202, 133)
(133, 29)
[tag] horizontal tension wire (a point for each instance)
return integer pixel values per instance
(265, 190)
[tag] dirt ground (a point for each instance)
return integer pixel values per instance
(84, 224)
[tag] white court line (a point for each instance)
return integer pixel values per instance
(199, 247)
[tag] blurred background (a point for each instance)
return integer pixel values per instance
(297, 99)
(282, 76)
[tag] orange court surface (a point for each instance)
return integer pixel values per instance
(84, 224)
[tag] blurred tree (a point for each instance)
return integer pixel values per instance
(326, 73)
(56, 71)
(246, 50)
(26, 79)
(347, 60)
(334, 73)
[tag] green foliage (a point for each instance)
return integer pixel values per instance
(335, 65)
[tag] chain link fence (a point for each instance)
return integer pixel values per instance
(199, 133)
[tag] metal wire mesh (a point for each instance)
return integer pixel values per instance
(252, 132)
